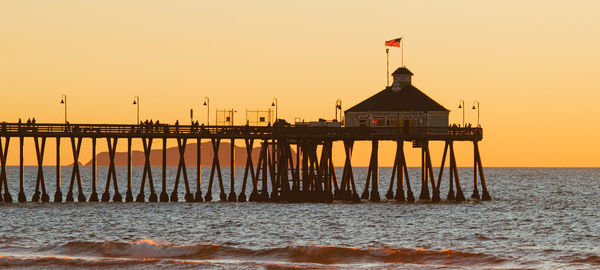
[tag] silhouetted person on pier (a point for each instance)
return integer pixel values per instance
(157, 126)
(19, 125)
(176, 126)
(33, 128)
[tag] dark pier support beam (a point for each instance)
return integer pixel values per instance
(249, 169)
(112, 174)
(424, 176)
(3, 179)
(21, 197)
(164, 197)
(375, 173)
(208, 196)
(294, 190)
(409, 194)
(2, 168)
(451, 196)
(286, 165)
(255, 195)
(147, 143)
(316, 186)
(181, 170)
(271, 162)
(153, 197)
(264, 169)
(343, 193)
(398, 172)
(222, 196)
(232, 197)
(297, 182)
(128, 193)
(198, 196)
(459, 193)
(365, 194)
(332, 173)
(76, 147)
(94, 195)
(390, 193)
(350, 183)
(475, 194)
(441, 173)
(141, 197)
(435, 194)
(81, 196)
(58, 193)
(485, 196)
(40, 182)
(216, 167)
(305, 181)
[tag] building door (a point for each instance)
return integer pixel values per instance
(406, 125)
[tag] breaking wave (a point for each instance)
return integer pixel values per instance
(142, 252)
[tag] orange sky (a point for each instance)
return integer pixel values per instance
(533, 65)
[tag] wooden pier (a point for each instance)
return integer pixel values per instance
(278, 176)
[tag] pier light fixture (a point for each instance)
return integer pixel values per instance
(274, 104)
(136, 101)
(476, 107)
(63, 100)
(207, 104)
(461, 105)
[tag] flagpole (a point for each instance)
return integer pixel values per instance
(387, 53)
(402, 41)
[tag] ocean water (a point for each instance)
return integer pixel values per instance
(540, 218)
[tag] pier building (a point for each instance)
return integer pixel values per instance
(400, 105)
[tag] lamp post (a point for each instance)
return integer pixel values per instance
(63, 100)
(476, 102)
(274, 104)
(338, 106)
(207, 104)
(461, 105)
(136, 101)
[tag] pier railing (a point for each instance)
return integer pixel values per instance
(256, 132)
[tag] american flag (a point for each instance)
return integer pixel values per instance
(393, 42)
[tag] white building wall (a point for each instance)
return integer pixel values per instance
(396, 119)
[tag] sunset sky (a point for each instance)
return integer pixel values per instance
(534, 66)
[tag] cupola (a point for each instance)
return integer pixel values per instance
(402, 77)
